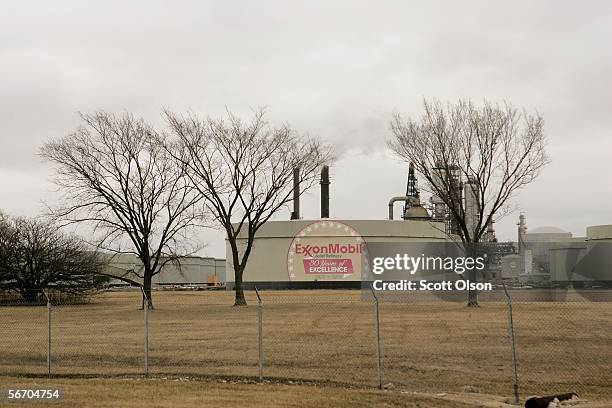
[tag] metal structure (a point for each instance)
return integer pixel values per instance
(447, 180)
(512, 346)
(413, 210)
(260, 334)
(471, 205)
(48, 333)
(393, 200)
(412, 189)
(145, 308)
(378, 354)
(522, 230)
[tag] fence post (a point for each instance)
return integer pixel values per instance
(378, 365)
(261, 351)
(145, 307)
(48, 333)
(512, 345)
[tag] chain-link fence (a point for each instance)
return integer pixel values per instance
(563, 342)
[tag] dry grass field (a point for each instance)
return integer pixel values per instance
(185, 393)
(196, 393)
(327, 337)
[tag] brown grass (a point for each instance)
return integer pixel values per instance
(326, 336)
(185, 392)
(178, 393)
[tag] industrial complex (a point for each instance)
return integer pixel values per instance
(549, 256)
(332, 252)
(542, 257)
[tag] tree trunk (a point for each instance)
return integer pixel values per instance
(472, 293)
(147, 289)
(472, 276)
(30, 295)
(240, 300)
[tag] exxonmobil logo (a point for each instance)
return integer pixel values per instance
(331, 248)
(326, 250)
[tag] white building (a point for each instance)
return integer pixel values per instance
(283, 254)
(187, 271)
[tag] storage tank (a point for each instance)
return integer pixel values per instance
(540, 241)
(584, 264)
(277, 260)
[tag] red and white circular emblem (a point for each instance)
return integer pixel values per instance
(326, 250)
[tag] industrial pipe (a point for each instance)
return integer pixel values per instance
(394, 200)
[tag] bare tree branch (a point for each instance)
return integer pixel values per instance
(118, 177)
(244, 172)
(496, 149)
(34, 256)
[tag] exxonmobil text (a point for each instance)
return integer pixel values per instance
(332, 248)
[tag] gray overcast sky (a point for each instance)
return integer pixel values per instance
(337, 69)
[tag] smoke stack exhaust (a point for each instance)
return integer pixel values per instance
(325, 192)
(295, 215)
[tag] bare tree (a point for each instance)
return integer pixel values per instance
(34, 256)
(244, 172)
(118, 177)
(494, 149)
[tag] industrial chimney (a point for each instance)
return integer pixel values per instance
(325, 192)
(295, 214)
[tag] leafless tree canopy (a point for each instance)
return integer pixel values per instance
(117, 176)
(34, 256)
(499, 148)
(244, 172)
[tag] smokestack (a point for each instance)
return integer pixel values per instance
(325, 192)
(522, 230)
(295, 215)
